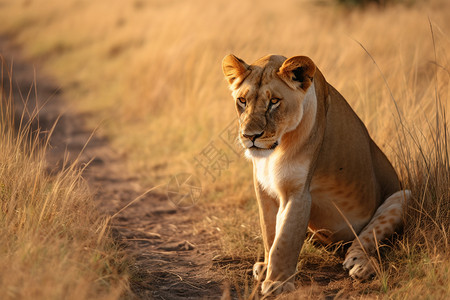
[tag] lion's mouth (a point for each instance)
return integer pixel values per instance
(274, 145)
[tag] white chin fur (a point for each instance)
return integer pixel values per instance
(258, 153)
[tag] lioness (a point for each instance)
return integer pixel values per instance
(314, 165)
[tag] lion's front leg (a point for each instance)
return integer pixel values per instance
(292, 221)
(268, 208)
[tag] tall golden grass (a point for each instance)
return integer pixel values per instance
(151, 71)
(53, 245)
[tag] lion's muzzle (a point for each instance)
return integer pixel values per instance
(257, 141)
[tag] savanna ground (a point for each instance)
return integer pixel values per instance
(146, 75)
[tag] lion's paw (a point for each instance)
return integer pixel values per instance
(276, 287)
(358, 264)
(259, 271)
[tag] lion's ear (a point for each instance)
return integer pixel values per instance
(298, 72)
(234, 68)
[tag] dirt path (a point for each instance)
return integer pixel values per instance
(173, 260)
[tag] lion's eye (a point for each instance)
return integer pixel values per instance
(274, 101)
(242, 100)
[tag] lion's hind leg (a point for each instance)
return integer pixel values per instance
(384, 222)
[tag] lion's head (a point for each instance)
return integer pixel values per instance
(269, 98)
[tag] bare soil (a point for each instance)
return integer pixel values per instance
(173, 257)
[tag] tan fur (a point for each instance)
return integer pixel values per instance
(313, 161)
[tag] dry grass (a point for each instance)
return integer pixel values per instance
(151, 71)
(53, 245)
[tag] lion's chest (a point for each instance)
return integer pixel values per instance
(275, 176)
(265, 176)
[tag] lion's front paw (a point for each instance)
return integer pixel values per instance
(259, 271)
(276, 287)
(359, 264)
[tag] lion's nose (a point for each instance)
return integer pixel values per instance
(252, 137)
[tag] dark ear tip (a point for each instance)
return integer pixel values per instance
(300, 74)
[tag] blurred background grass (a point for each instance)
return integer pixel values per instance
(150, 73)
